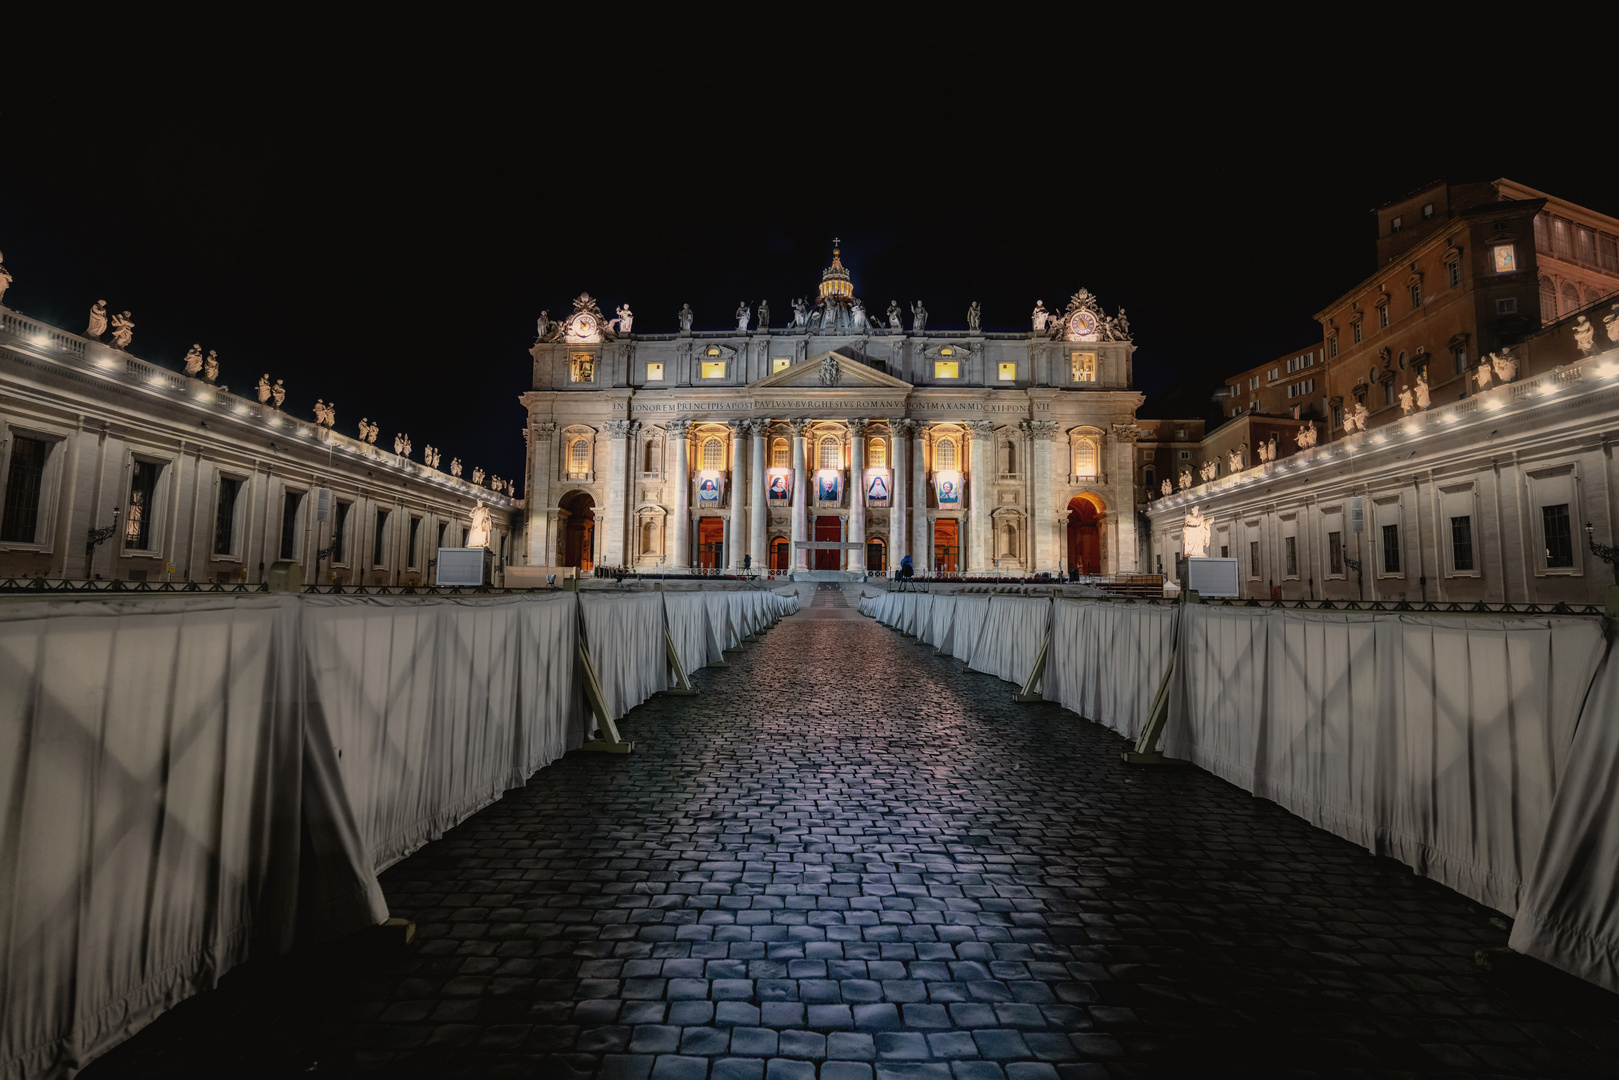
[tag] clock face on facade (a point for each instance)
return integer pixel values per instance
(1082, 326)
(582, 327)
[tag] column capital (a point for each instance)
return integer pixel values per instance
(904, 426)
(620, 429)
(1044, 430)
(758, 428)
(981, 428)
(739, 428)
(543, 432)
(677, 428)
(799, 426)
(858, 427)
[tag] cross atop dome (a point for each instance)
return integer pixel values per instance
(835, 283)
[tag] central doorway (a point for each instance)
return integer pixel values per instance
(710, 542)
(828, 528)
(1084, 535)
(579, 531)
(946, 545)
(781, 551)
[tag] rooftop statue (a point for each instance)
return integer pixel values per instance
(1423, 398)
(1360, 415)
(857, 316)
(1186, 477)
(1042, 317)
(626, 318)
(5, 277)
(325, 415)
(1233, 460)
(455, 467)
(1611, 321)
(264, 389)
(542, 326)
(123, 331)
(98, 320)
(1208, 470)
(896, 321)
(1306, 436)
(1585, 335)
(742, 316)
(1506, 368)
(477, 475)
(279, 393)
(1407, 404)
(800, 314)
(685, 318)
(919, 318)
(210, 366)
(764, 314)
(1483, 372)
(1166, 487)
(1121, 326)
(194, 361)
(975, 315)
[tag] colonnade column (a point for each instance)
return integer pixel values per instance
(800, 511)
(921, 530)
(896, 499)
(757, 510)
(1043, 516)
(680, 536)
(620, 433)
(739, 491)
(857, 496)
(981, 484)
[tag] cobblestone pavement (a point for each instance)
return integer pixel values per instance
(850, 859)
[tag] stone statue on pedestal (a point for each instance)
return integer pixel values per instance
(1585, 335)
(896, 321)
(1423, 399)
(1360, 415)
(919, 318)
(210, 366)
(626, 319)
(1167, 488)
(542, 326)
(123, 331)
(264, 389)
(764, 314)
(1041, 316)
(1195, 534)
(742, 317)
(1483, 373)
(194, 361)
(1407, 404)
(455, 468)
(1506, 368)
(1305, 436)
(685, 318)
(279, 393)
(1186, 477)
(478, 534)
(1233, 460)
(5, 278)
(975, 315)
(477, 475)
(98, 320)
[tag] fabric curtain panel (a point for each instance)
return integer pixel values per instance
(1107, 659)
(625, 632)
(688, 628)
(1014, 628)
(971, 611)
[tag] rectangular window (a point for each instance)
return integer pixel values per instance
(1416, 297)
(1395, 224)
(1008, 372)
(1225, 551)
(1253, 559)
(946, 369)
(1585, 246)
(780, 363)
(1460, 355)
(340, 533)
(1083, 365)
(1337, 416)
(1461, 543)
(1355, 331)
(1454, 271)
(1290, 549)
(1383, 316)
(1559, 539)
(139, 533)
(1563, 238)
(24, 485)
(441, 527)
(225, 516)
(415, 530)
(581, 367)
(713, 369)
(1335, 553)
(289, 523)
(1388, 392)
(1391, 549)
(1273, 374)
(654, 373)
(1332, 343)
(1608, 252)
(1505, 258)
(378, 544)
(1427, 210)
(1507, 305)
(1543, 234)
(1253, 382)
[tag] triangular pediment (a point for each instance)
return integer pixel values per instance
(850, 374)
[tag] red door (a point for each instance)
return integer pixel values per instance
(829, 528)
(1084, 536)
(946, 545)
(710, 542)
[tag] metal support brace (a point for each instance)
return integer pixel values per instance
(609, 742)
(1036, 673)
(1146, 751)
(682, 687)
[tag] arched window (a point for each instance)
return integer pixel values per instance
(713, 452)
(830, 458)
(944, 455)
(1571, 298)
(1085, 458)
(780, 455)
(578, 459)
(1548, 298)
(1591, 296)
(877, 454)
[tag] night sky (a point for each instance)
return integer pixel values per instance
(381, 230)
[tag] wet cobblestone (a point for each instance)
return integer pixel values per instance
(850, 859)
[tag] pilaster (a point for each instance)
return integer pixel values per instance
(679, 552)
(901, 441)
(757, 481)
(738, 540)
(619, 433)
(1043, 512)
(857, 495)
(980, 485)
(800, 511)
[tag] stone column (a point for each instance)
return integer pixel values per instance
(541, 513)
(980, 488)
(598, 536)
(738, 539)
(1126, 557)
(899, 463)
(857, 496)
(758, 512)
(680, 476)
(800, 511)
(1043, 515)
(621, 434)
(921, 527)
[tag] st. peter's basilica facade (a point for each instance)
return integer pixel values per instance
(840, 441)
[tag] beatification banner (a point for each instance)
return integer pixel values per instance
(829, 488)
(710, 486)
(948, 483)
(780, 489)
(877, 487)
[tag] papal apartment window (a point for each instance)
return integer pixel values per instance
(340, 533)
(1332, 345)
(1383, 316)
(1396, 224)
(379, 543)
(139, 528)
(1506, 305)
(1290, 548)
(1427, 211)
(1505, 258)
(1559, 538)
(24, 486)
(1355, 332)
(225, 516)
(1461, 543)
(1454, 270)
(289, 523)
(1335, 553)
(1391, 549)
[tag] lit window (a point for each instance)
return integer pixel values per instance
(713, 350)
(578, 459)
(582, 367)
(713, 452)
(713, 369)
(947, 351)
(946, 369)
(780, 363)
(829, 453)
(1505, 258)
(1084, 366)
(1085, 458)
(944, 456)
(654, 373)
(780, 455)
(877, 454)
(1008, 372)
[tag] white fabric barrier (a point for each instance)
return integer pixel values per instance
(941, 619)
(922, 617)
(439, 706)
(967, 624)
(719, 613)
(690, 630)
(1107, 659)
(1435, 740)
(163, 774)
(625, 635)
(1014, 628)
(1570, 911)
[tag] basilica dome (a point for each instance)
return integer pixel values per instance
(835, 283)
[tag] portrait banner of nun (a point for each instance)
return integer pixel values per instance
(780, 490)
(710, 485)
(877, 488)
